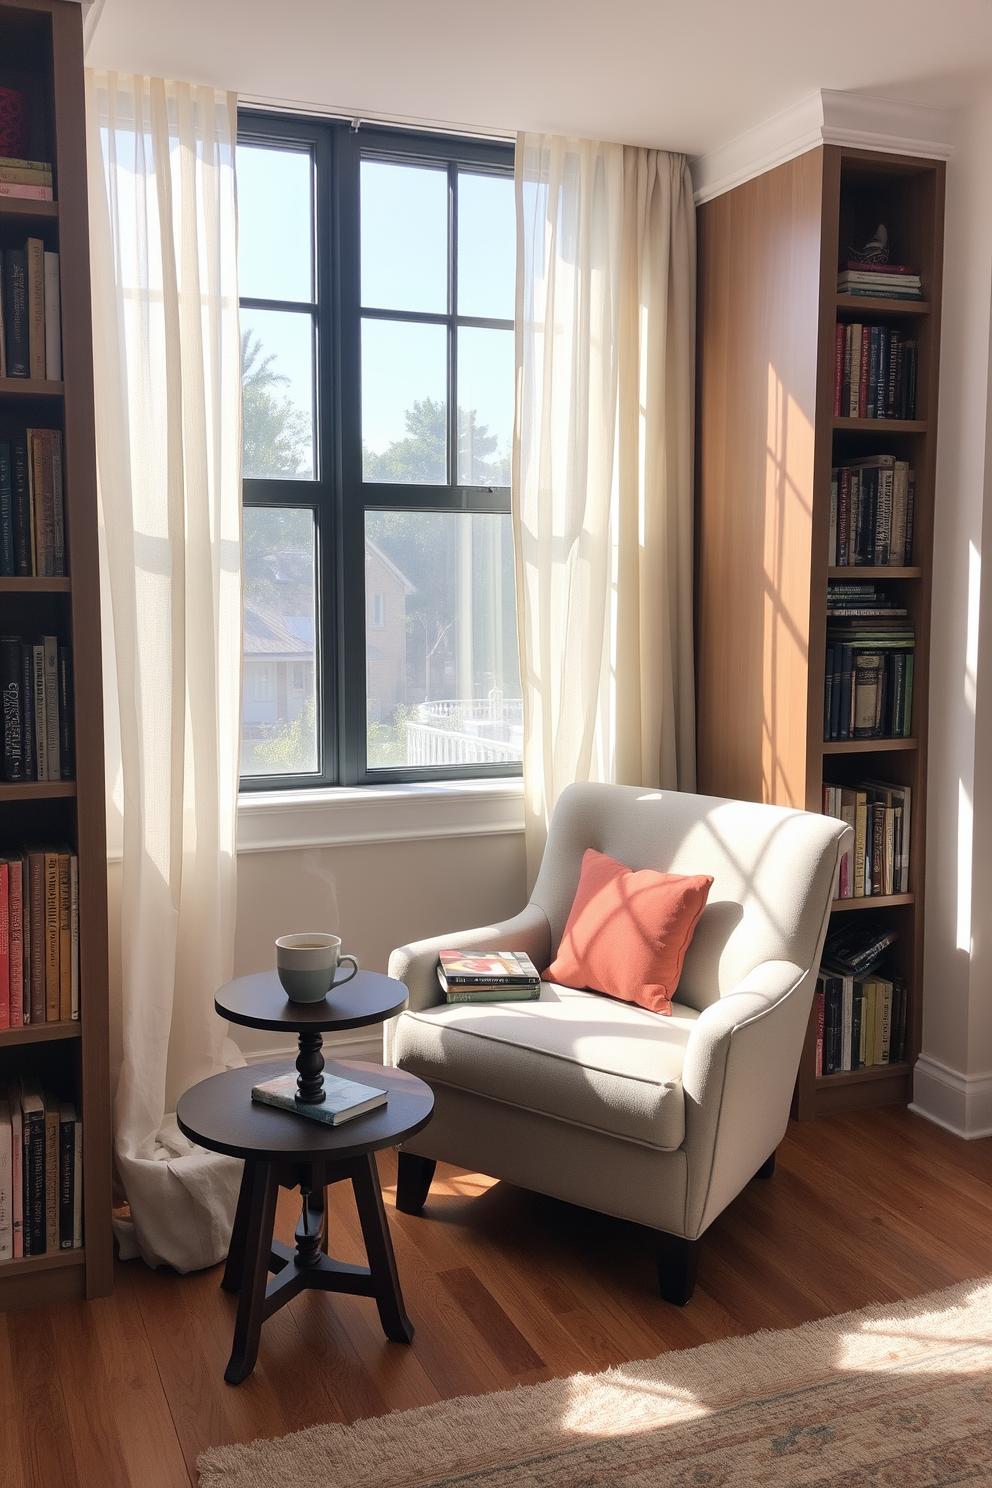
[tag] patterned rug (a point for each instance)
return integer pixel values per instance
(889, 1397)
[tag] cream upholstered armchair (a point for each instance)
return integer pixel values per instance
(661, 1120)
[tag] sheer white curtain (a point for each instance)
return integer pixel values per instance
(168, 428)
(602, 477)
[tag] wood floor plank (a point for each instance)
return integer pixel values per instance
(490, 1321)
(11, 1474)
(144, 1422)
(37, 1404)
(504, 1287)
(94, 1427)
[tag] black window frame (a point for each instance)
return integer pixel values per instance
(338, 495)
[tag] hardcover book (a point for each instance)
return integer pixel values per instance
(467, 969)
(343, 1099)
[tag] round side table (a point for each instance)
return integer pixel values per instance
(282, 1149)
(259, 1001)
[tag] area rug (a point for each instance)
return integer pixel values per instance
(889, 1397)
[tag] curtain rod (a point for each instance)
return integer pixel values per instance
(357, 117)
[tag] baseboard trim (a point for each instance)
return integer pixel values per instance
(961, 1104)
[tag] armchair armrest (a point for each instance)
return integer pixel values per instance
(738, 1077)
(416, 964)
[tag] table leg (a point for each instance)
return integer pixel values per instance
(379, 1249)
(236, 1251)
(257, 1245)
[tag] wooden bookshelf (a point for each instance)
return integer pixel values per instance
(41, 54)
(767, 440)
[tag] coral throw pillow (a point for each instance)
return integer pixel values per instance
(628, 932)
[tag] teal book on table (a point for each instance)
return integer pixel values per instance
(343, 1099)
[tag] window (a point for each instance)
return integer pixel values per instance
(377, 294)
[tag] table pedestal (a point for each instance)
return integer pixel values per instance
(254, 1253)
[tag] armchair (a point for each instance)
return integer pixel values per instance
(661, 1120)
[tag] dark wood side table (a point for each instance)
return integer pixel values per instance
(281, 1149)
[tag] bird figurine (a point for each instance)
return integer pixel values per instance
(876, 250)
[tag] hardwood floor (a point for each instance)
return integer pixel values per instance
(505, 1287)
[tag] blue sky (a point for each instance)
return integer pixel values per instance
(404, 267)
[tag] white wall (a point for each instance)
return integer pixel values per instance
(953, 1083)
(375, 895)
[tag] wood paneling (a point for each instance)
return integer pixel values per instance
(759, 274)
(504, 1287)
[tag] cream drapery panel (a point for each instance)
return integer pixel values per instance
(602, 468)
(168, 430)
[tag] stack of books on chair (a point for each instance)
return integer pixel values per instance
(872, 505)
(877, 859)
(861, 1016)
(868, 671)
(488, 976)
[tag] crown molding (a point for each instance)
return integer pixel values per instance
(827, 117)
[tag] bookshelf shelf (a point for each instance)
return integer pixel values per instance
(864, 1076)
(38, 790)
(876, 901)
(41, 45)
(34, 586)
(849, 571)
(881, 427)
(868, 746)
(860, 304)
(15, 206)
(27, 1265)
(768, 312)
(31, 387)
(39, 1033)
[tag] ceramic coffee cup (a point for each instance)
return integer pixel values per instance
(307, 965)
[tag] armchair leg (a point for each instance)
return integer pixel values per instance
(413, 1182)
(767, 1168)
(678, 1261)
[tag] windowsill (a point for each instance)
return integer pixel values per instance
(337, 816)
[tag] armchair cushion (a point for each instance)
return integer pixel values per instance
(627, 932)
(586, 1060)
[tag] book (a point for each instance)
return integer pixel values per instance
(7, 561)
(15, 303)
(23, 541)
(467, 969)
(51, 1106)
(6, 1183)
(343, 1099)
(17, 1170)
(857, 949)
(67, 1173)
(52, 986)
(26, 192)
(15, 917)
(31, 165)
(23, 174)
(4, 948)
(35, 252)
(73, 936)
(53, 319)
(33, 1160)
(490, 993)
(77, 1188)
(65, 935)
(36, 918)
(12, 705)
(67, 761)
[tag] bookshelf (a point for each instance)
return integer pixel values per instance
(41, 54)
(767, 439)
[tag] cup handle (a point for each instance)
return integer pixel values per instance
(353, 972)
